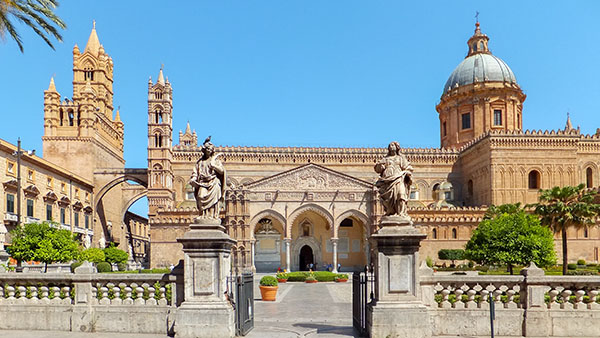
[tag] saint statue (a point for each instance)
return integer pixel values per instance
(208, 181)
(395, 180)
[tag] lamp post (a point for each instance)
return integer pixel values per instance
(19, 153)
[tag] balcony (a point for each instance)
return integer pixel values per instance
(11, 217)
(31, 220)
(65, 226)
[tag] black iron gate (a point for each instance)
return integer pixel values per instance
(362, 293)
(241, 295)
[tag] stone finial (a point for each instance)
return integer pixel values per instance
(532, 270)
(568, 125)
(425, 270)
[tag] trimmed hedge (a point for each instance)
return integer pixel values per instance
(75, 266)
(321, 276)
(104, 267)
(268, 281)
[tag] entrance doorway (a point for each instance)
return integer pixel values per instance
(306, 258)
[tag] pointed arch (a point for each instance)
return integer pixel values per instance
(266, 214)
(353, 213)
(311, 207)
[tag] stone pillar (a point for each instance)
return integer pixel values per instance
(536, 322)
(334, 242)
(83, 312)
(205, 311)
(3, 254)
(252, 253)
(287, 254)
(397, 310)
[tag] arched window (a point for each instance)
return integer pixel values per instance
(475, 46)
(71, 117)
(585, 232)
(534, 179)
(436, 188)
(589, 178)
(454, 234)
(434, 233)
(158, 140)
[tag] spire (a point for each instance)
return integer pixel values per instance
(478, 43)
(118, 115)
(52, 87)
(93, 44)
(188, 130)
(568, 125)
(161, 78)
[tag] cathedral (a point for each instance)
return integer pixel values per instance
(295, 207)
(290, 207)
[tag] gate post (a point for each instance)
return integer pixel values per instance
(397, 310)
(205, 311)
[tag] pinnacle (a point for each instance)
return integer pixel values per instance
(161, 78)
(93, 44)
(52, 87)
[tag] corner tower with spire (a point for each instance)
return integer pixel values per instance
(481, 95)
(160, 139)
(81, 133)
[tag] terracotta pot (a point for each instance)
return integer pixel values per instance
(281, 280)
(268, 293)
(341, 280)
(311, 281)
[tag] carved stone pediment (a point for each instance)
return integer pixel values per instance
(310, 177)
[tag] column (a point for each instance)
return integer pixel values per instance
(206, 311)
(252, 252)
(3, 254)
(287, 254)
(334, 243)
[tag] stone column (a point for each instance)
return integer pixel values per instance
(206, 310)
(252, 253)
(3, 254)
(397, 310)
(334, 242)
(287, 254)
(536, 321)
(83, 312)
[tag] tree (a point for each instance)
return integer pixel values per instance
(93, 255)
(37, 14)
(512, 239)
(114, 255)
(561, 208)
(43, 243)
(497, 210)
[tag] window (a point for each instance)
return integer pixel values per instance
(62, 117)
(448, 195)
(62, 215)
(414, 193)
(346, 223)
(519, 125)
(76, 219)
(466, 120)
(434, 193)
(534, 179)
(497, 117)
(10, 168)
(71, 118)
(30, 175)
(434, 234)
(589, 178)
(454, 234)
(10, 203)
(88, 74)
(585, 232)
(29, 207)
(86, 218)
(48, 212)
(444, 129)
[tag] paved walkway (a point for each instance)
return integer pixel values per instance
(305, 310)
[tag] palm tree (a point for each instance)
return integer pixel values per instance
(37, 14)
(563, 207)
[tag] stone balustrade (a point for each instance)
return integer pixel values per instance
(90, 302)
(531, 304)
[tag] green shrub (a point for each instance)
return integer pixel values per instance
(156, 270)
(297, 276)
(429, 262)
(122, 266)
(581, 262)
(581, 273)
(104, 267)
(324, 276)
(268, 281)
(75, 265)
(281, 275)
(114, 255)
(93, 255)
(572, 266)
(451, 254)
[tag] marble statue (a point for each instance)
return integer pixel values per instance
(208, 181)
(102, 242)
(395, 180)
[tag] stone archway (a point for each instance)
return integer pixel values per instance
(297, 246)
(306, 258)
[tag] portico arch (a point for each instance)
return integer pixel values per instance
(356, 214)
(310, 207)
(269, 213)
(297, 246)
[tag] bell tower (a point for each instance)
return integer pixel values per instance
(160, 139)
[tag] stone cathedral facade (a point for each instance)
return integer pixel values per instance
(288, 207)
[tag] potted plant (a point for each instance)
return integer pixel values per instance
(268, 288)
(282, 277)
(341, 278)
(310, 278)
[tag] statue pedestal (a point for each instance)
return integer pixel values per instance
(205, 311)
(397, 310)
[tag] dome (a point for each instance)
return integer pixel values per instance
(481, 67)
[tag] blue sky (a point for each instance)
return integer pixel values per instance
(308, 73)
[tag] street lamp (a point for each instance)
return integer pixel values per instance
(18, 154)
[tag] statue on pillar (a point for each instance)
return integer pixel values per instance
(395, 180)
(208, 181)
